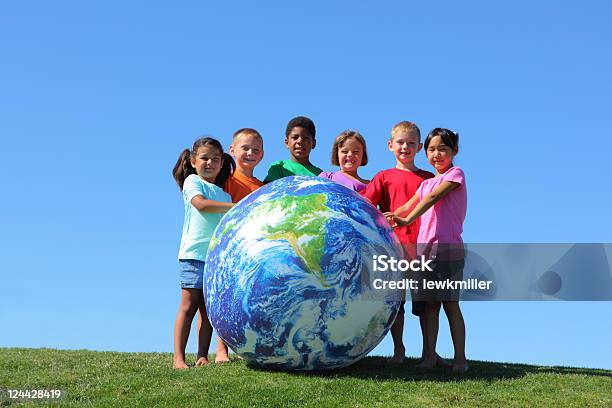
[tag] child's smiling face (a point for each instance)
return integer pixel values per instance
(207, 162)
(404, 146)
(247, 149)
(439, 155)
(350, 155)
(300, 142)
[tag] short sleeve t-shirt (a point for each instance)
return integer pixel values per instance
(199, 226)
(443, 222)
(240, 185)
(392, 188)
(340, 178)
(285, 168)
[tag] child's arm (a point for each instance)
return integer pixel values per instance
(425, 204)
(195, 192)
(211, 206)
(405, 209)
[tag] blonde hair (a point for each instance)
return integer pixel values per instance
(343, 137)
(246, 131)
(406, 127)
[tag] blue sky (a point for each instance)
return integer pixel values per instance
(97, 100)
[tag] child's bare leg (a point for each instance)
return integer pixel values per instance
(439, 360)
(430, 331)
(423, 324)
(457, 329)
(190, 301)
(221, 356)
(204, 336)
(397, 334)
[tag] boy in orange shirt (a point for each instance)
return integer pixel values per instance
(247, 150)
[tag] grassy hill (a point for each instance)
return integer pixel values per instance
(147, 379)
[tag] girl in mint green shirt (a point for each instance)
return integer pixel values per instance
(200, 174)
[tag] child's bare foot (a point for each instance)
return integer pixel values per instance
(221, 355)
(201, 361)
(221, 358)
(427, 363)
(440, 362)
(460, 366)
(399, 356)
(397, 360)
(179, 363)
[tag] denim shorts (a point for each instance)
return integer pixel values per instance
(192, 273)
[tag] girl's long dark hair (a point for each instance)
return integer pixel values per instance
(183, 168)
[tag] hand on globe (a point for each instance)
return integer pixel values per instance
(393, 219)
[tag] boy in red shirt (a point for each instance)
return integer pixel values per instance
(389, 190)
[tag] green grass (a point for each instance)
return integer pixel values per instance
(147, 379)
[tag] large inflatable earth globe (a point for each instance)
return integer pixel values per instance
(289, 271)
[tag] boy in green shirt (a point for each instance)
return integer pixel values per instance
(299, 140)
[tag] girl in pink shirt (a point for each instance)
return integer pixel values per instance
(441, 203)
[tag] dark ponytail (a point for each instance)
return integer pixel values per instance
(229, 165)
(183, 168)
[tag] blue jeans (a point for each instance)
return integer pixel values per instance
(192, 273)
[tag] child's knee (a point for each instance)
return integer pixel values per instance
(434, 306)
(451, 307)
(189, 307)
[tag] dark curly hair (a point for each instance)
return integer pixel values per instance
(301, 121)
